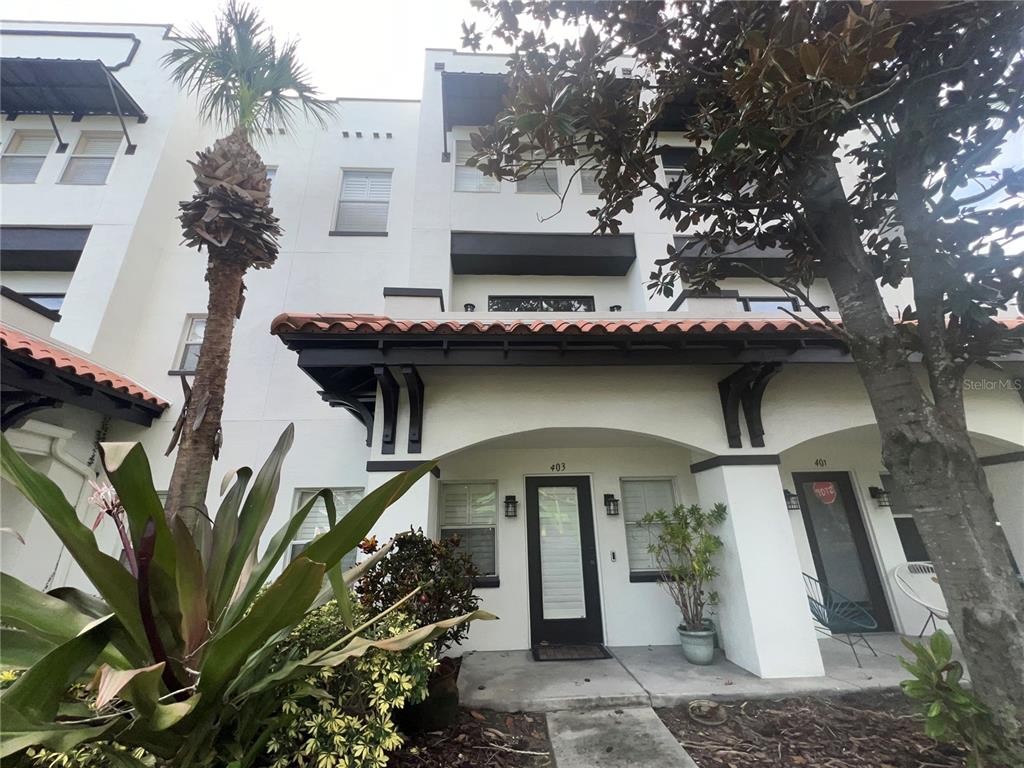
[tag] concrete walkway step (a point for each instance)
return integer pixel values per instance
(632, 737)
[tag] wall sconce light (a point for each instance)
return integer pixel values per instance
(615, 308)
(511, 506)
(792, 500)
(880, 495)
(469, 307)
(611, 504)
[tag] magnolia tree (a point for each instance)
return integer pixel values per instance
(922, 97)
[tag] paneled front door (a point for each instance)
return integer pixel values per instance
(839, 543)
(565, 604)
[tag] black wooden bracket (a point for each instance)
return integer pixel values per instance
(18, 406)
(389, 397)
(414, 387)
(351, 403)
(745, 386)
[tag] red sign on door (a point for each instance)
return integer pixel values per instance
(825, 492)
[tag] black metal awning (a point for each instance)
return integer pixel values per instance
(516, 253)
(75, 87)
(471, 98)
(42, 249)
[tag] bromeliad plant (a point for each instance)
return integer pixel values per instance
(684, 548)
(181, 654)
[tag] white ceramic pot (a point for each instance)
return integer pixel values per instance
(698, 647)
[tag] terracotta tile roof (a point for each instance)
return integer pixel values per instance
(377, 324)
(62, 359)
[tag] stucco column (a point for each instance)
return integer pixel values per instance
(764, 622)
(417, 508)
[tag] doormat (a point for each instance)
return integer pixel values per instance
(581, 652)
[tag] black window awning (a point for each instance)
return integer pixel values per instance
(42, 249)
(471, 98)
(735, 259)
(513, 253)
(63, 87)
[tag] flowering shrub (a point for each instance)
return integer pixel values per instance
(342, 717)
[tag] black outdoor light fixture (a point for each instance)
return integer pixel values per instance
(469, 307)
(611, 504)
(511, 506)
(615, 308)
(880, 495)
(792, 500)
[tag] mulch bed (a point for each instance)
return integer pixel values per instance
(880, 730)
(480, 740)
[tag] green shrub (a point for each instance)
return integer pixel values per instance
(342, 717)
(416, 559)
(952, 713)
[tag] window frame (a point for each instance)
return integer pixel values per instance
(456, 165)
(298, 501)
(37, 295)
(334, 231)
(583, 186)
(75, 155)
(483, 581)
(271, 173)
(542, 297)
(746, 300)
(551, 165)
(179, 355)
(17, 136)
(671, 172)
(643, 575)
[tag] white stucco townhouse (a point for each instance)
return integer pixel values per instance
(421, 311)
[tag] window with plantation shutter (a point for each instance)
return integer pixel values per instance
(588, 182)
(24, 156)
(470, 511)
(638, 498)
(363, 203)
(92, 159)
(543, 180)
(317, 521)
(469, 178)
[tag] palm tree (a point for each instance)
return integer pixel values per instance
(245, 83)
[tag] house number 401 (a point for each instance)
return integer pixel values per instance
(820, 463)
(558, 466)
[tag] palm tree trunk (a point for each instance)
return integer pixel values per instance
(200, 438)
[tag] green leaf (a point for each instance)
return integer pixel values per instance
(529, 121)
(225, 529)
(254, 516)
(38, 613)
(141, 688)
(330, 547)
(18, 732)
(726, 142)
(941, 647)
(109, 577)
(20, 650)
(191, 589)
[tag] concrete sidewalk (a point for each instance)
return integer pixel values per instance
(632, 737)
(659, 676)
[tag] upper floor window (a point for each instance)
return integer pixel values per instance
(543, 180)
(469, 178)
(52, 301)
(24, 155)
(318, 521)
(363, 202)
(470, 511)
(768, 305)
(192, 342)
(640, 497)
(271, 174)
(540, 303)
(92, 159)
(588, 182)
(675, 161)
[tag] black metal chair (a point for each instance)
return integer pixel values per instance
(839, 615)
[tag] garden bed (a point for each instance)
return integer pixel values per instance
(480, 740)
(880, 730)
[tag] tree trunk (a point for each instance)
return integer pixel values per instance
(933, 464)
(199, 442)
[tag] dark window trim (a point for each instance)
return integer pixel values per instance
(418, 293)
(25, 301)
(695, 294)
(180, 372)
(745, 301)
(1002, 458)
(486, 582)
(543, 297)
(341, 233)
(645, 577)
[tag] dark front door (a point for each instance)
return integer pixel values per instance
(565, 606)
(839, 543)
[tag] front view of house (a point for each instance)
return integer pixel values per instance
(421, 311)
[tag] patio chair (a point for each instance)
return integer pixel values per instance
(840, 615)
(918, 582)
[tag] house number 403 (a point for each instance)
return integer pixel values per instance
(558, 466)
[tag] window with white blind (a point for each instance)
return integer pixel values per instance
(24, 156)
(588, 182)
(317, 522)
(192, 342)
(542, 181)
(469, 178)
(271, 174)
(363, 203)
(640, 497)
(470, 511)
(675, 162)
(92, 159)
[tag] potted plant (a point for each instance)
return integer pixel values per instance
(684, 548)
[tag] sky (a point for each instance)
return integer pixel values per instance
(355, 48)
